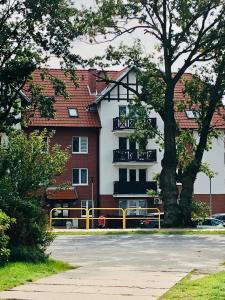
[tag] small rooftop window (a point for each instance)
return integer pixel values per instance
(190, 114)
(72, 112)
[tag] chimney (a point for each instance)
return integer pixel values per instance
(92, 81)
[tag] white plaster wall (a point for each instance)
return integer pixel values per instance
(215, 159)
(110, 141)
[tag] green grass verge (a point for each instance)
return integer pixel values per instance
(131, 232)
(13, 274)
(210, 287)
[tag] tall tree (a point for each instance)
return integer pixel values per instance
(31, 32)
(205, 94)
(187, 32)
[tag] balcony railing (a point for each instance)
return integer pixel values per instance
(134, 155)
(134, 187)
(128, 123)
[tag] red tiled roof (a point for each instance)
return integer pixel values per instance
(181, 117)
(79, 98)
(69, 194)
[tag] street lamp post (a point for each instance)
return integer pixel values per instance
(210, 196)
(92, 200)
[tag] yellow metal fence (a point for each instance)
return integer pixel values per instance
(123, 215)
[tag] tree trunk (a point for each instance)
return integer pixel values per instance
(186, 200)
(169, 163)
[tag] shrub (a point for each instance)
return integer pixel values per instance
(4, 239)
(25, 172)
(200, 210)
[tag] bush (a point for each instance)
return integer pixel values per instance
(25, 172)
(200, 210)
(4, 239)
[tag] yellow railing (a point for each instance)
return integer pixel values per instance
(106, 218)
(90, 215)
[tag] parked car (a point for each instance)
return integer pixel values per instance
(220, 216)
(210, 223)
(152, 222)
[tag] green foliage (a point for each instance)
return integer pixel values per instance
(151, 193)
(25, 172)
(200, 210)
(5, 222)
(207, 171)
(31, 32)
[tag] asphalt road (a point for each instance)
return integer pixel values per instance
(157, 252)
(137, 267)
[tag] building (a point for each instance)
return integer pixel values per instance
(106, 169)
(130, 174)
(76, 127)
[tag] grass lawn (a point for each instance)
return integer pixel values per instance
(13, 274)
(150, 231)
(210, 287)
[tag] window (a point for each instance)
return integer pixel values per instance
(64, 213)
(190, 114)
(72, 111)
(142, 175)
(80, 177)
(122, 143)
(122, 111)
(86, 204)
(132, 145)
(132, 112)
(80, 144)
(132, 175)
(134, 204)
(123, 175)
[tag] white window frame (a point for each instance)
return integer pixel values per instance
(137, 173)
(73, 112)
(76, 184)
(80, 137)
(136, 212)
(86, 206)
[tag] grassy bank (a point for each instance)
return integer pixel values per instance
(131, 232)
(210, 287)
(13, 274)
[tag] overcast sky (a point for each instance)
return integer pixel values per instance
(88, 50)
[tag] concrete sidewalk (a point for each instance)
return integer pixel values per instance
(101, 284)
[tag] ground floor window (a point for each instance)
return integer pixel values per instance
(85, 204)
(61, 213)
(133, 206)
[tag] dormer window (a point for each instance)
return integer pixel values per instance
(190, 114)
(72, 111)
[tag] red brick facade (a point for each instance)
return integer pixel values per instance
(63, 136)
(218, 201)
